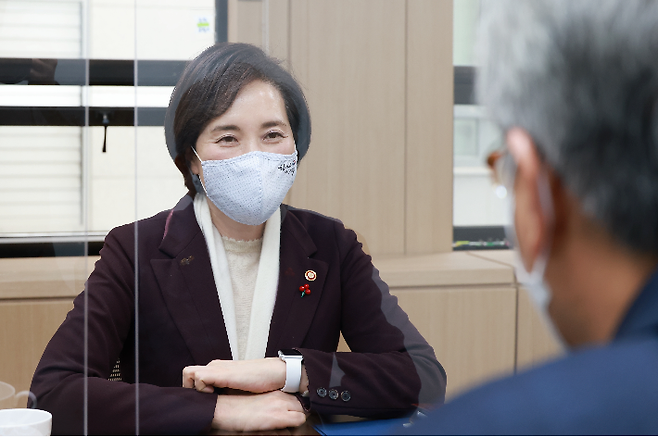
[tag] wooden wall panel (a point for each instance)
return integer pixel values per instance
(232, 21)
(279, 28)
(378, 76)
(429, 126)
(349, 57)
(250, 22)
(27, 326)
(472, 330)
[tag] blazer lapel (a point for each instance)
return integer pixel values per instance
(293, 313)
(188, 286)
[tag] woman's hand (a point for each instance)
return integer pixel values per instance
(257, 376)
(245, 413)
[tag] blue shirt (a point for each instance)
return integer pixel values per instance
(610, 389)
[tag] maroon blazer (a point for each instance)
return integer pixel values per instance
(390, 369)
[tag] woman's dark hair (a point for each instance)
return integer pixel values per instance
(209, 85)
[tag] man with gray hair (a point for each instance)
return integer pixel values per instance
(574, 86)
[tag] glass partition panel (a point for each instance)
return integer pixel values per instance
(85, 165)
(84, 86)
(44, 234)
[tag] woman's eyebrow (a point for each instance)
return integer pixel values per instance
(274, 123)
(225, 128)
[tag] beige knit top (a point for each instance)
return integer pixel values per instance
(243, 257)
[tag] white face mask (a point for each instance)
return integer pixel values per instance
(249, 188)
(538, 289)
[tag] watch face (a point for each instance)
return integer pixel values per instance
(289, 352)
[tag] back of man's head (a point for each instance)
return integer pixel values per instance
(581, 77)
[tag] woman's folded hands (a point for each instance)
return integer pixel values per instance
(253, 400)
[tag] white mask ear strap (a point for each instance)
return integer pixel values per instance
(197, 155)
(197, 176)
(546, 204)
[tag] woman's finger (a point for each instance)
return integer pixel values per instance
(188, 377)
(201, 386)
(286, 419)
(296, 418)
(193, 377)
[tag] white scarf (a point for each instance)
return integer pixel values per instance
(267, 280)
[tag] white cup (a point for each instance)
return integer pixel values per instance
(23, 421)
(9, 398)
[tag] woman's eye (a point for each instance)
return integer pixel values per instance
(229, 139)
(274, 135)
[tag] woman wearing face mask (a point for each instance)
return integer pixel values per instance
(241, 295)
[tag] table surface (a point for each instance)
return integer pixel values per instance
(306, 429)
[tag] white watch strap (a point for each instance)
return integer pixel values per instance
(293, 373)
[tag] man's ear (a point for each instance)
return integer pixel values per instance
(531, 221)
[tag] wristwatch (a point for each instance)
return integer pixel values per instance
(293, 360)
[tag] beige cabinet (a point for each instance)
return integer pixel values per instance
(468, 306)
(35, 296)
(535, 343)
(470, 328)
(27, 326)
